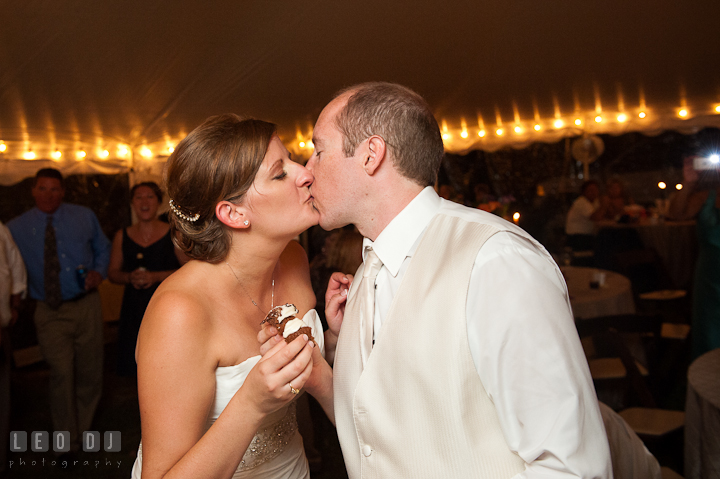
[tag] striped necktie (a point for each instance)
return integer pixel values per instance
(53, 294)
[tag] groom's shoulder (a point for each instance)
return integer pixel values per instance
(474, 215)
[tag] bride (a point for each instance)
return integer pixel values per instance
(210, 404)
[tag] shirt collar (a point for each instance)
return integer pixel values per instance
(396, 241)
(56, 214)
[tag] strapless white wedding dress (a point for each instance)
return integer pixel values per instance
(276, 451)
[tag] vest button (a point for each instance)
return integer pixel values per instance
(366, 450)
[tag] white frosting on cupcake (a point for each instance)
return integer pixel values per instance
(293, 326)
(286, 310)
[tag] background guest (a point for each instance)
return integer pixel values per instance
(143, 255)
(13, 282)
(612, 204)
(704, 205)
(66, 255)
(584, 212)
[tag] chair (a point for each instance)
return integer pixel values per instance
(615, 336)
(645, 270)
(611, 241)
(610, 337)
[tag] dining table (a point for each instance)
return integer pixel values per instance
(597, 292)
(702, 417)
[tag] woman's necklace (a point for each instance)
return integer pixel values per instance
(146, 237)
(248, 294)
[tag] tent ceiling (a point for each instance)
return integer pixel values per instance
(78, 74)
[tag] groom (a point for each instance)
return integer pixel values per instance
(458, 355)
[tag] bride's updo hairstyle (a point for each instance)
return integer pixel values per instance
(217, 161)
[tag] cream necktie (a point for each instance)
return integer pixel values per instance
(364, 303)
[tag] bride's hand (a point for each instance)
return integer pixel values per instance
(269, 338)
(283, 367)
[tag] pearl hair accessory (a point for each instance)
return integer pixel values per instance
(180, 214)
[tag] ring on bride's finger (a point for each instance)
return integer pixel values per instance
(293, 390)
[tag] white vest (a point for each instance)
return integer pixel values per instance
(419, 409)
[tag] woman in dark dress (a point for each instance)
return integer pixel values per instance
(143, 255)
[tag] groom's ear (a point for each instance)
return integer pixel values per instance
(375, 154)
(231, 214)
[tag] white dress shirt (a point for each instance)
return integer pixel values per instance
(578, 220)
(13, 277)
(522, 339)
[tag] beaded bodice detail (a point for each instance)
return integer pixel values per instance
(270, 441)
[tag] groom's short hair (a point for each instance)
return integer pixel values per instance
(402, 118)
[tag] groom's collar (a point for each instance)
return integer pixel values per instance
(400, 237)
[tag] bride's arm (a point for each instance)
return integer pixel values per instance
(176, 385)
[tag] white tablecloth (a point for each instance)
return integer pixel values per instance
(614, 297)
(702, 418)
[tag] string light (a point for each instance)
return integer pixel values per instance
(123, 151)
(503, 132)
(516, 217)
(678, 186)
(662, 185)
(445, 134)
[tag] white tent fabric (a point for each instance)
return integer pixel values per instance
(95, 76)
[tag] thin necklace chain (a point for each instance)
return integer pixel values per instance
(248, 294)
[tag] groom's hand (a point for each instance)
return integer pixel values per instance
(335, 298)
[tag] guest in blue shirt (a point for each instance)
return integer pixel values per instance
(66, 255)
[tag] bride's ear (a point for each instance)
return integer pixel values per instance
(231, 215)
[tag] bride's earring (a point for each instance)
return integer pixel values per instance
(246, 222)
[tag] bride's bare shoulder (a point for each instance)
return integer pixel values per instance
(183, 301)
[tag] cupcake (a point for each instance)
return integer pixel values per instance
(284, 320)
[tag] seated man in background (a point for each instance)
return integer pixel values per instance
(580, 223)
